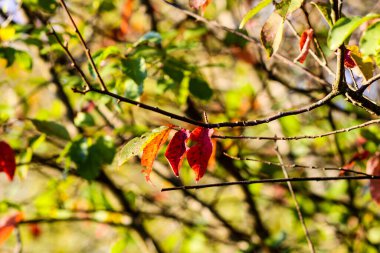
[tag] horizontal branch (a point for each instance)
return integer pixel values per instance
(282, 138)
(73, 219)
(296, 165)
(276, 116)
(270, 180)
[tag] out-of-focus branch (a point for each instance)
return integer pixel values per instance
(269, 180)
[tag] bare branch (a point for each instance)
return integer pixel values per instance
(344, 130)
(85, 47)
(270, 181)
(300, 216)
(296, 165)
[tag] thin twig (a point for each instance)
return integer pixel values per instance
(296, 165)
(300, 216)
(85, 47)
(18, 248)
(270, 181)
(73, 61)
(344, 130)
(248, 38)
(368, 83)
(353, 79)
(178, 117)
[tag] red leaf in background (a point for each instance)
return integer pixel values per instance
(35, 230)
(305, 42)
(176, 150)
(7, 160)
(7, 224)
(373, 168)
(197, 4)
(150, 151)
(199, 154)
(348, 61)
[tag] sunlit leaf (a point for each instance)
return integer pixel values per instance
(286, 7)
(343, 29)
(253, 12)
(305, 41)
(271, 33)
(364, 64)
(370, 41)
(176, 150)
(150, 151)
(325, 10)
(199, 154)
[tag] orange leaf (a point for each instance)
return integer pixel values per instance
(373, 168)
(305, 42)
(125, 16)
(7, 224)
(7, 160)
(151, 148)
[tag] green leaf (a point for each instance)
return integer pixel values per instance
(135, 68)
(84, 119)
(253, 12)
(286, 7)
(153, 37)
(51, 128)
(12, 56)
(90, 157)
(135, 146)
(325, 10)
(370, 41)
(200, 88)
(271, 33)
(343, 29)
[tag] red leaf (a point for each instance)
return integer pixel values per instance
(176, 150)
(305, 41)
(348, 61)
(7, 224)
(151, 149)
(7, 160)
(35, 230)
(199, 154)
(373, 168)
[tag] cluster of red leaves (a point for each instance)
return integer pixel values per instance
(198, 155)
(305, 42)
(7, 160)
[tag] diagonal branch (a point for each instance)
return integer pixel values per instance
(300, 216)
(85, 47)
